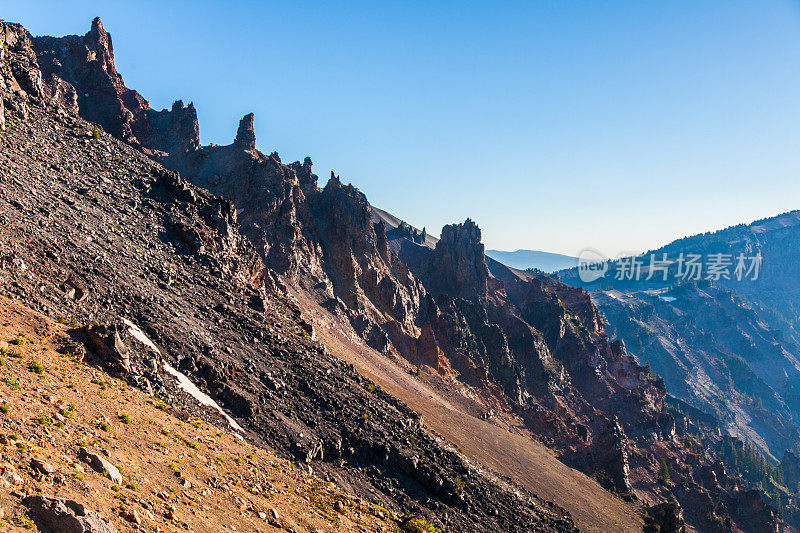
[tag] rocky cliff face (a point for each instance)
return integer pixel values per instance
(78, 73)
(96, 233)
(537, 347)
(21, 81)
(697, 336)
(545, 344)
(457, 267)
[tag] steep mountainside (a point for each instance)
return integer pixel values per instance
(739, 331)
(726, 344)
(137, 242)
(715, 353)
(62, 419)
(97, 233)
(775, 292)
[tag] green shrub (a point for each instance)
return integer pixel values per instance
(12, 384)
(663, 473)
(43, 420)
(420, 525)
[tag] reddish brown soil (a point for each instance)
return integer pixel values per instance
(179, 474)
(522, 459)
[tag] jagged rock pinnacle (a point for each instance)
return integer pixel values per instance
(245, 136)
(101, 40)
(97, 26)
(334, 182)
(457, 266)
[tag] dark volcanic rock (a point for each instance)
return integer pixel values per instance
(87, 63)
(100, 465)
(665, 518)
(173, 130)
(79, 73)
(790, 466)
(146, 247)
(613, 456)
(457, 266)
(245, 136)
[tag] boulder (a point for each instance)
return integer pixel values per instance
(60, 515)
(42, 467)
(665, 518)
(9, 476)
(100, 465)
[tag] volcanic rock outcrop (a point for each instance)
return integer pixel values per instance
(456, 267)
(535, 347)
(94, 231)
(68, 516)
(78, 73)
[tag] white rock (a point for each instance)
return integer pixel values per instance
(9, 476)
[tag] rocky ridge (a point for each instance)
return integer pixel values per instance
(536, 345)
(96, 232)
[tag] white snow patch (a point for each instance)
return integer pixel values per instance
(139, 335)
(204, 399)
(667, 298)
(184, 382)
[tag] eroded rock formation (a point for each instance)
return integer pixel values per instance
(536, 346)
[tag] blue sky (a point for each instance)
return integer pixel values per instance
(555, 125)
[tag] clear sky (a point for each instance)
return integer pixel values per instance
(555, 125)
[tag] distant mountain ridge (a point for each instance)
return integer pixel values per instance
(727, 346)
(524, 259)
(775, 291)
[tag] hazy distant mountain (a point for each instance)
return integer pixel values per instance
(715, 352)
(523, 259)
(727, 346)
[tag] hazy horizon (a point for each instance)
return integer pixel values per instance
(554, 126)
